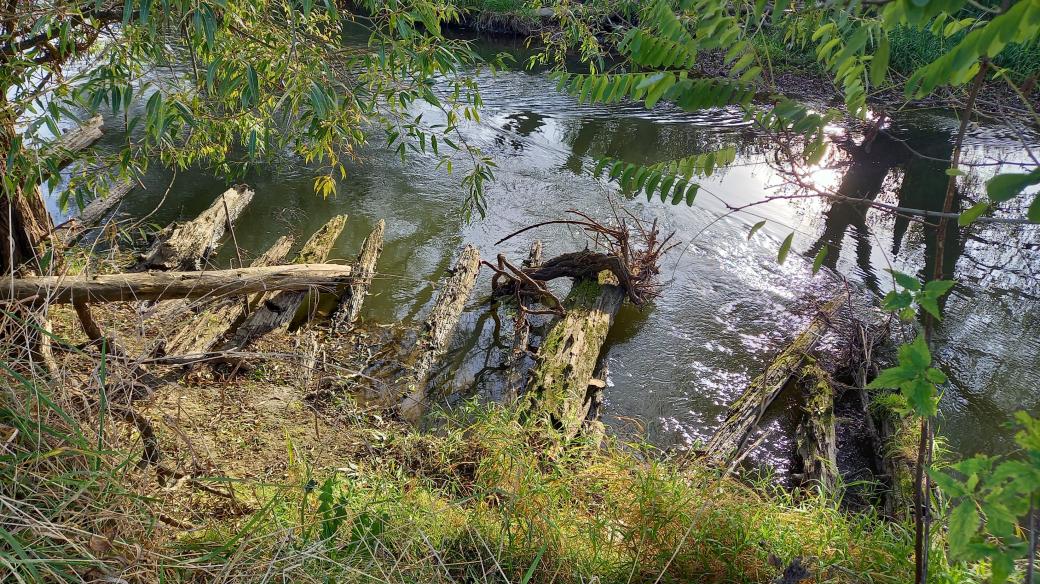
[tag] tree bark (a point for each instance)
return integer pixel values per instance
(566, 361)
(364, 270)
(437, 331)
(521, 334)
(277, 311)
(816, 436)
(210, 325)
(76, 139)
(129, 287)
(188, 246)
(747, 410)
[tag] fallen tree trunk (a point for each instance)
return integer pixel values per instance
(129, 287)
(437, 331)
(521, 334)
(93, 213)
(559, 383)
(76, 139)
(189, 245)
(277, 311)
(210, 325)
(898, 436)
(747, 410)
(816, 437)
(364, 270)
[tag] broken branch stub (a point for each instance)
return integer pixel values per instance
(189, 245)
(437, 331)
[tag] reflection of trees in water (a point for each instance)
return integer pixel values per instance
(519, 125)
(923, 186)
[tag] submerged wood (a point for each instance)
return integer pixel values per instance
(129, 287)
(76, 139)
(210, 325)
(189, 245)
(521, 333)
(747, 410)
(97, 209)
(276, 311)
(566, 362)
(816, 437)
(347, 312)
(437, 331)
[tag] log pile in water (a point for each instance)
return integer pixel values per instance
(744, 414)
(276, 311)
(189, 245)
(210, 325)
(437, 330)
(565, 365)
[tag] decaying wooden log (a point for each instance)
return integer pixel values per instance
(207, 328)
(816, 436)
(521, 333)
(278, 310)
(189, 245)
(76, 139)
(93, 213)
(747, 410)
(437, 331)
(129, 287)
(898, 435)
(364, 270)
(559, 382)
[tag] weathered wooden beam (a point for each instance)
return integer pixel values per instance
(816, 436)
(437, 331)
(130, 287)
(566, 361)
(277, 311)
(66, 146)
(207, 328)
(189, 245)
(747, 410)
(364, 270)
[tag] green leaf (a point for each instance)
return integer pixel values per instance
(1001, 568)
(897, 301)
(879, 65)
(1034, 210)
(785, 248)
(755, 228)
(939, 287)
(1004, 187)
(906, 281)
(931, 305)
(921, 397)
(969, 216)
(964, 522)
(955, 172)
(916, 354)
(818, 260)
(892, 378)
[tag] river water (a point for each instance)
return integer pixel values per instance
(727, 305)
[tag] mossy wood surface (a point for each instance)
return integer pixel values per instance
(566, 362)
(744, 413)
(816, 436)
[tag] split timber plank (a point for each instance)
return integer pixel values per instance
(745, 413)
(566, 362)
(437, 331)
(189, 245)
(347, 312)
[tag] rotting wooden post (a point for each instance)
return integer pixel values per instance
(566, 361)
(437, 331)
(210, 325)
(130, 287)
(816, 437)
(364, 270)
(277, 311)
(187, 246)
(744, 413)
(898, 436)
